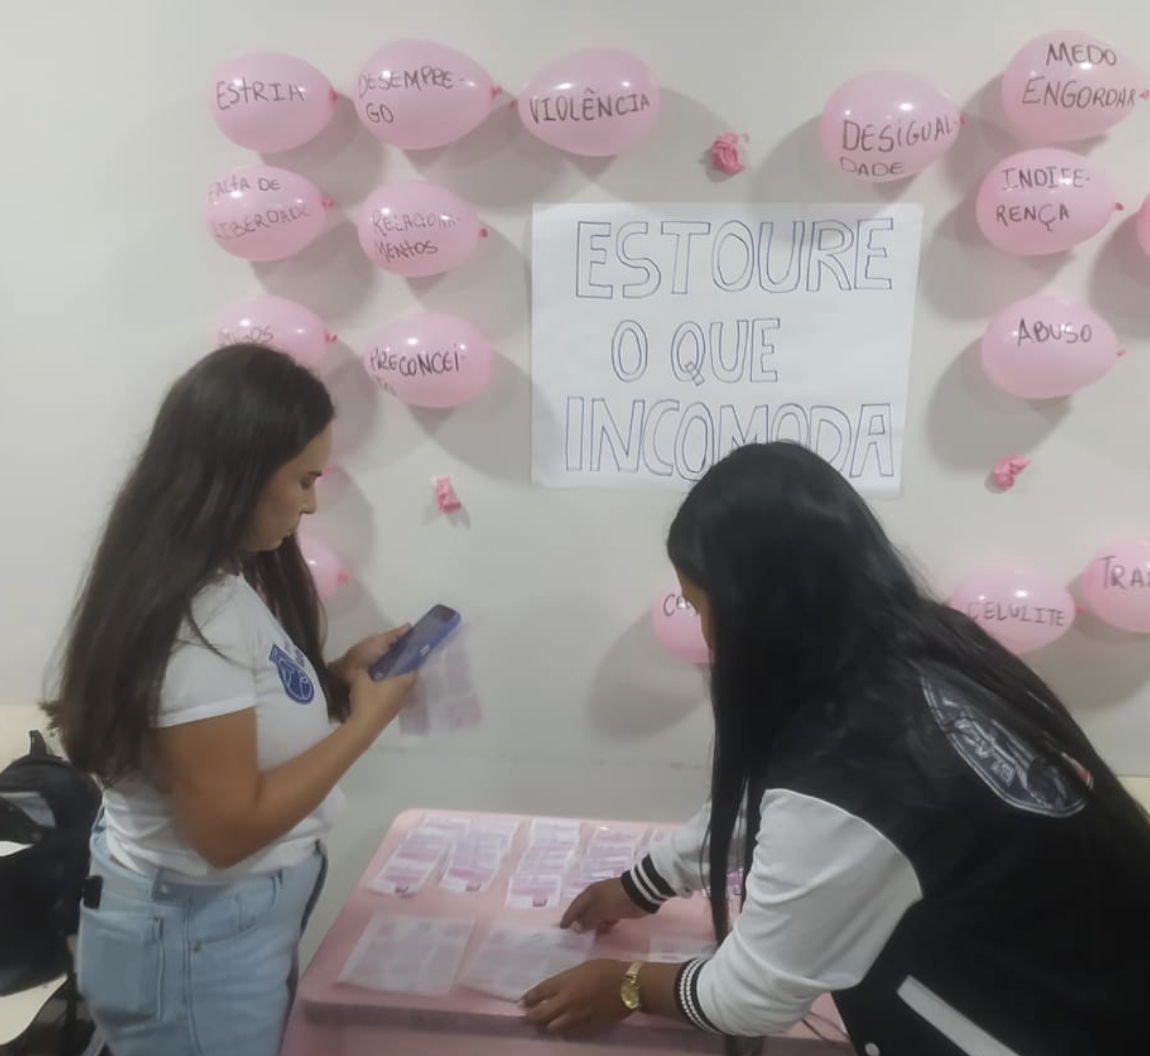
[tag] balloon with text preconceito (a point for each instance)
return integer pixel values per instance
(1067, 86)
(887, 126)
(677, 626)
(1116, 585)
(1142, 226)
(268, 101)
(595, 102)
(1044, 201)
(415, 94)
(1044, 347)
(430, 360)
(326, 571)
(277, 323)
(1022, 609)
(417, 228)
(258, 212)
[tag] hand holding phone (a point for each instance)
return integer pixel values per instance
(409, 653)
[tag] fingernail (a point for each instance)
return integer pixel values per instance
(577, 928)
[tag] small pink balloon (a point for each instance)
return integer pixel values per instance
(595, 102)
(1043, 347)
(1044, 201)
(1116, 585)
(677, 626)
(1142, 226)
(415, 94)
(1067, 86)
(1023, 610)
(430, 360)
(278, 323)
(887, 126)
(416, 228)
(268, 101)
(326, 571)
(262, 213)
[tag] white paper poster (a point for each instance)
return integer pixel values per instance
(664, 336)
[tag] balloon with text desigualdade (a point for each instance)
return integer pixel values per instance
(269, 102)
(678, 628)
(259, 213)
(326, 571)
(278, 323)
(1044, 201)
(415, 94)
(417, 228)
(1045, 347)
(595, 102)
(887, 126)
(1116, 585)
(1023, 610)
(430, 360)
(1067, 86)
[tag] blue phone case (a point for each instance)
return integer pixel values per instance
(414, 647)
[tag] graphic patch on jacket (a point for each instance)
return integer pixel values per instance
(296, 681)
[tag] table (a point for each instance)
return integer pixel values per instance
(331, 1018)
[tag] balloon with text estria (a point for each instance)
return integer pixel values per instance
(259, 213)
(417, 228)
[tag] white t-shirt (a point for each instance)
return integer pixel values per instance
(260, 667)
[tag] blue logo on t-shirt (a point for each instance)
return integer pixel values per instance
(296, 681)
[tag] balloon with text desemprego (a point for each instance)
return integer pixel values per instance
(1116, 585)
(1067, 86)
(262, 213)
(269, 102)
(430, 360)
(1142, 226)
(677, 626)
(1021, 609)
(887, 126)
(595, 102)
(416, 228)
(326, 571)
(1044, 347)
(1044, 201)
(414, 94)
(278, 323)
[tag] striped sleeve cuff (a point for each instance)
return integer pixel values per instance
(687, 996)
(645, 887)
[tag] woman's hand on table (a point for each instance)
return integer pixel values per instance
(579, 1003)
(600, 907)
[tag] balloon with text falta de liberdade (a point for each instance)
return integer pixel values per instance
(1116, 585)
(678, 628)
(326, 571)
(258, 212)
(277, 323)
(1023, 610)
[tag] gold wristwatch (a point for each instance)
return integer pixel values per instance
(629, 990)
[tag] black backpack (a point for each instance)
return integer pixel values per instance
(48, 805)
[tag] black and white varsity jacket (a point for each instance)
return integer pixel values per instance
(964, 913)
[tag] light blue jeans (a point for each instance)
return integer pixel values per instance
(169, 968)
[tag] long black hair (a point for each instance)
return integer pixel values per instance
(222, 431)
(811, 605)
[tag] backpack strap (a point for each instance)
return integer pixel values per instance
(38, 747)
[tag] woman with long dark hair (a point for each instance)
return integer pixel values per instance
(920, 827)
(193, 685)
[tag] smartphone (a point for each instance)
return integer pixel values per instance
(414, 647)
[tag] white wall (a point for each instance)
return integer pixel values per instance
(109, 285)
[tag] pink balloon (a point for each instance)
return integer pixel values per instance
(595, 102)
(415, 228)
(1066, 86)
(1142, 226)
(326, 571)
(430, 360)
(1116, 585)
(1023, 610)
(678, 627)
(1043, 347)
(415, 94)
(887, 126)
(262, 213)
(268, 101)
(278, 323)
(1044, 201)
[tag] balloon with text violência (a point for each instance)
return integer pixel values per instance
(269, 102)
(1045, 347)
(1021, 609)
(259, 213)
(1142, 226)
(1116, 585)
(326, 571)
(596, 102)
(430, 360)
(415, 94)
(417, 228)
(887, 126)
(678, 628)
(277, 323)
(1044, 201)
(1066, 86)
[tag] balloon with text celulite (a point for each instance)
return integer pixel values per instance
(268, 101)
(326, 570)
(430, 360)
(677, 626)
(1022, 609)
(277, 323)
(262, 213)
(1044, 201)
(887, 126)
(415, 94)
(1043, 347)
(417, 228)
(1067, 86)
(595, 102)
(1116, 585)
